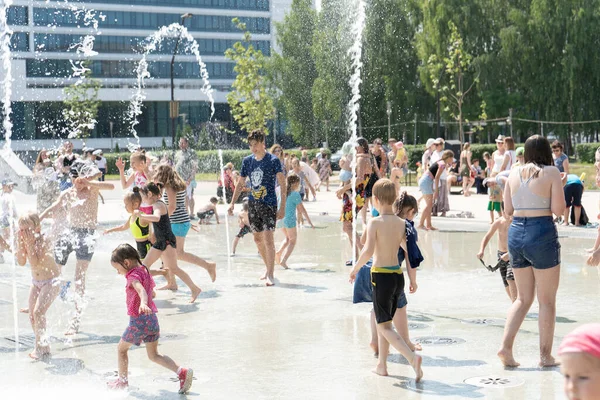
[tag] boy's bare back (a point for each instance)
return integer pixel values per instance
(389, 234)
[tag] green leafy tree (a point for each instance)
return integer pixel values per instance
(81, 104)
(294, 72)
(456, 66)
(251, 105)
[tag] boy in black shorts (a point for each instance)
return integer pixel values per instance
(206, 212)
(383, 242)
(263, 169)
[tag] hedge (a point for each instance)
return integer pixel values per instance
(586, 152)
(208, 160)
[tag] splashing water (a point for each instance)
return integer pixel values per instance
(152, 43)
(353, 107)
(5, 36)
(227, 213)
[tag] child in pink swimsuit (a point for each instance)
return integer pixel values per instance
(140, 175)
(143, 323)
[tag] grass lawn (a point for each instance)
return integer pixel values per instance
(590, 172)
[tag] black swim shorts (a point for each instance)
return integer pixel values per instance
(387, 289)
(262, 216)
(80, 240)
(143, 247)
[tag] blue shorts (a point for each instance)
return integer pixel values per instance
(426, 184)
(363, 288)
(181, 230)
(289, 223)
(533, 242)
(143, 328)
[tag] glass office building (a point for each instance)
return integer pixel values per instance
(45, 33)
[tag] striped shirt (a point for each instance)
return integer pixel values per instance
(180, 216)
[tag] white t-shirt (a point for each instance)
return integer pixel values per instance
(101, 163)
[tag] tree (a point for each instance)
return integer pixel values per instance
(81, 102)
(251, 105)
(294, 72)
(456, 66)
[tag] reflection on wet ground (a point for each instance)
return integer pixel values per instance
(303, 338)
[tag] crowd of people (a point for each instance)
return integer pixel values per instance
(530, 189)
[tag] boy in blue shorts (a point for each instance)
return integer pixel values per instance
(385, 235)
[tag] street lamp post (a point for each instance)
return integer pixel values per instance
(388, 111)
(174, 107)
(439, 118)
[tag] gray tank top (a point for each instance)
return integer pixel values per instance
(525, 199)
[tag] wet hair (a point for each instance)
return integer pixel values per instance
(385, 191)
(139, 155)
(257, 135)
(32, 218)
(362, 142)
(214, 200)
(509, 143)
(404, 203)
(447, 154)
(347, 148)
(134, 196)
(291, 181)
(538, 151)
(167, 175)
(557, 145)
(152, 188)
(126, 252)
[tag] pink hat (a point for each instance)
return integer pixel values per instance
(399, 145)
(585, 339)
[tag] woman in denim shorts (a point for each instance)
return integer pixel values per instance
(532, 194)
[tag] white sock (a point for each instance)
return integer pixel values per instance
(179, 370)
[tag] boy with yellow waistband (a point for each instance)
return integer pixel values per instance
(385, 235)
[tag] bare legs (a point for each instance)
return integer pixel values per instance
(169, 258)
(356, 244)
(81, 267)
(547, 285)
(151, 349)
(425, 221)
(266, 247)
(287, 246)
(400, 323)
(40, 300)
(387, 336)
(182, 255)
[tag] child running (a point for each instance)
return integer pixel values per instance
(139, 229)
(244, 226)
(207, 211)
(139, 177)
(288, 225)
(45, 282)
(501, 226)
(383, 242)
(165, 244)
(405, 207)
(143, 323)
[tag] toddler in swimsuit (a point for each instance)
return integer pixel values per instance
(32, 246)
(143, 323)
(139, 177)
(140, 230)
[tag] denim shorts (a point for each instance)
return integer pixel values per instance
(181, 230)
(533, 242)
(426, 184)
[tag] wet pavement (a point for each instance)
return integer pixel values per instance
(302, 339)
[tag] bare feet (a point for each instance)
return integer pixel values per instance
(168, 287)
(278, 258)
(414, 346)
(212, 271)
(270, 281)
(416, 364)
(73, 327)
(590, 250)
(380, 370)
(548, 361)
(24, 310)
(375, 348)
(195, 292)
(263, 277)
(284, 265)
(431, 228)
(507, 359)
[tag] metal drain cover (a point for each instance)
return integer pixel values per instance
(484, 321)
(498, 382)
(439, 340)
(415, 325)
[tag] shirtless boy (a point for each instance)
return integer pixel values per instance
(207, 211)
(34, 247)
(385, 235)
(81, 205)
(501, 226)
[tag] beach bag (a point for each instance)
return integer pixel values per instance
(583, 218)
